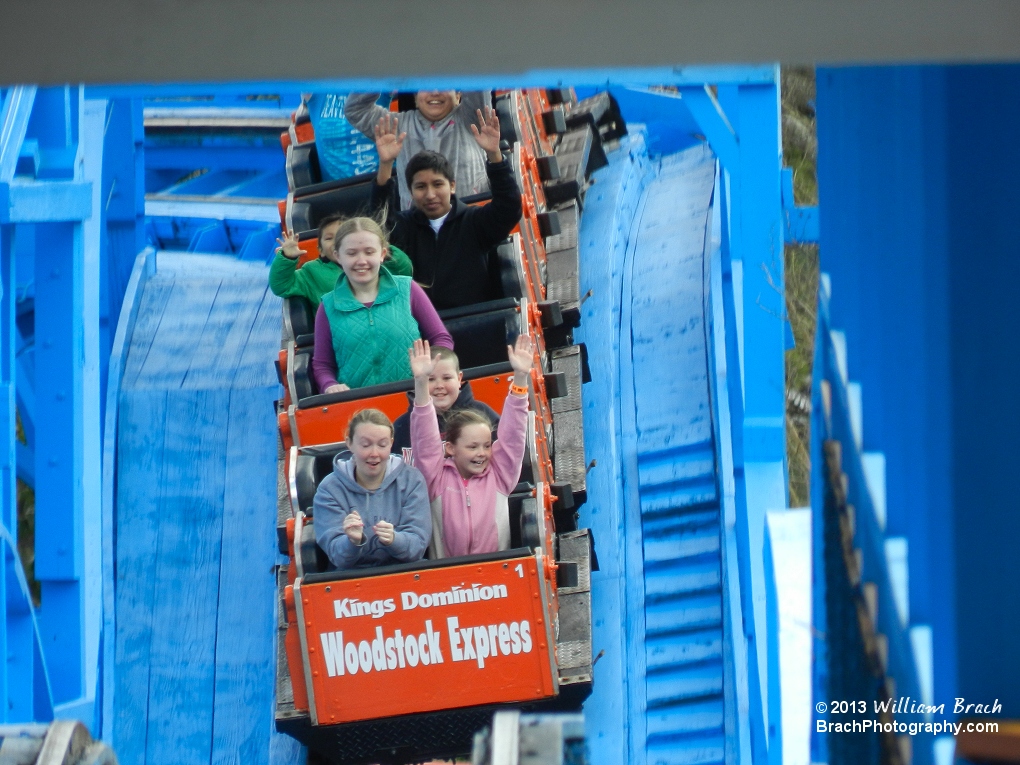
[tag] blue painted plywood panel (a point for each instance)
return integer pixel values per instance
(196, 518)
(183, 651)
(139, 482)
(245, 648)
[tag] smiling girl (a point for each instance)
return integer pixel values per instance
(317, 277)
(364, 325)
(469, 478)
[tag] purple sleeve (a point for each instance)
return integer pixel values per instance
(323, 358)
(431, 326)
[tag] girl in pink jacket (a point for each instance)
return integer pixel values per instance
(469, 477)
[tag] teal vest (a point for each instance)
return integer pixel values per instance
(371, 343)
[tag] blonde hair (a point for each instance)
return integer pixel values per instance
(367, 417)
(353, 225)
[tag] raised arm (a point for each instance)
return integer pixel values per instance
(494, 222)
(486, 133)
(362, 111)
(511, 434)
(422, 366)
(388, 143)
(283, 273)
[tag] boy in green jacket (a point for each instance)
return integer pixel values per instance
(317, 277)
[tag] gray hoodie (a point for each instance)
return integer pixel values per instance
(451, 137)
(401, 499)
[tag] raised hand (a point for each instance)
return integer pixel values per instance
(487, 133)
(384, 530)
(422, 363)
(521, 356)
(354, 527)
(289, 245)
(387, 141)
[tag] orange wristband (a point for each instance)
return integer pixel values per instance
(517, 390)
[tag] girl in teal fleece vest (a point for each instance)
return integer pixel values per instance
(366, 323)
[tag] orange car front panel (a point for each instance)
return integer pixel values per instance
(428, 640)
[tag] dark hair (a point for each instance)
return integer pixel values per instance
(461, 419)
(369, 417)
(331, 218)
(428, 160)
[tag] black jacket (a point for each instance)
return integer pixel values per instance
(465, 400)
(454, 267)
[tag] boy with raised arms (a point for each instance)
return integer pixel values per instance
(447, 241)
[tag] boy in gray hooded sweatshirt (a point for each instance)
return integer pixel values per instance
(373, 509)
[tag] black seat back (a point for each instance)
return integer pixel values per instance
(298, 317)
(348, 196)
(313, 464)
(480, 336)
(303, 166)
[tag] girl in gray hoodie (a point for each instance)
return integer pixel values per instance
(373, 509)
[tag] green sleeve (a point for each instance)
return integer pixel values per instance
(399, 264)
(283, 279)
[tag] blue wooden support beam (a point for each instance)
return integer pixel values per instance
(9, 642)
(45, 201)
(59, 494)
(17, 109)
(714, 123)
(123, 210)
(801, 220)
(8, 486)
(535, 78)
(25, 457)
(26, 686)
(25, 388)
(67, 278)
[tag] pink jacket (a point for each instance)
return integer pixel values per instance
(474, 518)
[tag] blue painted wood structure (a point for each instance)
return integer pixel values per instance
(195, 455)
(58, 230)
(922, 164)
(682, 242)
(682, 268)
(213, 173)
(835, 417)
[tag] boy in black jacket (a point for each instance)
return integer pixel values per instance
(447, 241)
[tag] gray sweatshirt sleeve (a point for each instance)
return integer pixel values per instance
(412, 534)
(470, 102)
(362, 111)
(329, 529)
